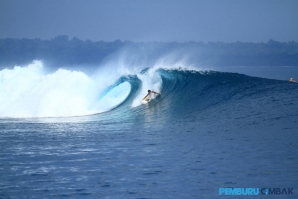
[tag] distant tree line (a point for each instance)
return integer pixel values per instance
(62, 51)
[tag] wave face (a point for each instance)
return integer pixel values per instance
(207, 97)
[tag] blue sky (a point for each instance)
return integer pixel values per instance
(151, 20)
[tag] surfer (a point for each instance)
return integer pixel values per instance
(148, 94)
(292, 80)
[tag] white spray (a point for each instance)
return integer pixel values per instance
(29, 92)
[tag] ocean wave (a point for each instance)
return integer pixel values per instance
(186, 93)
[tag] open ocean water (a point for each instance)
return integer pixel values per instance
(66, 134)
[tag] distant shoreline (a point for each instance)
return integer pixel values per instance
(61, 51)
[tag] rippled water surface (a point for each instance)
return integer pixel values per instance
(223, 130)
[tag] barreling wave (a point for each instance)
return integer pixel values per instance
(186, 94)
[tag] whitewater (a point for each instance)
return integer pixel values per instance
(30, 92)
(70, 133)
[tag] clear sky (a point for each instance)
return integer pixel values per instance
(151, 20)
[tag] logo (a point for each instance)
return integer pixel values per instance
(277, 191)
(255, 191)
(239, 191)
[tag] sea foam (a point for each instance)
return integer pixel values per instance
(30, 92)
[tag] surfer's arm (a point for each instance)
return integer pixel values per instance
(156, 93)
